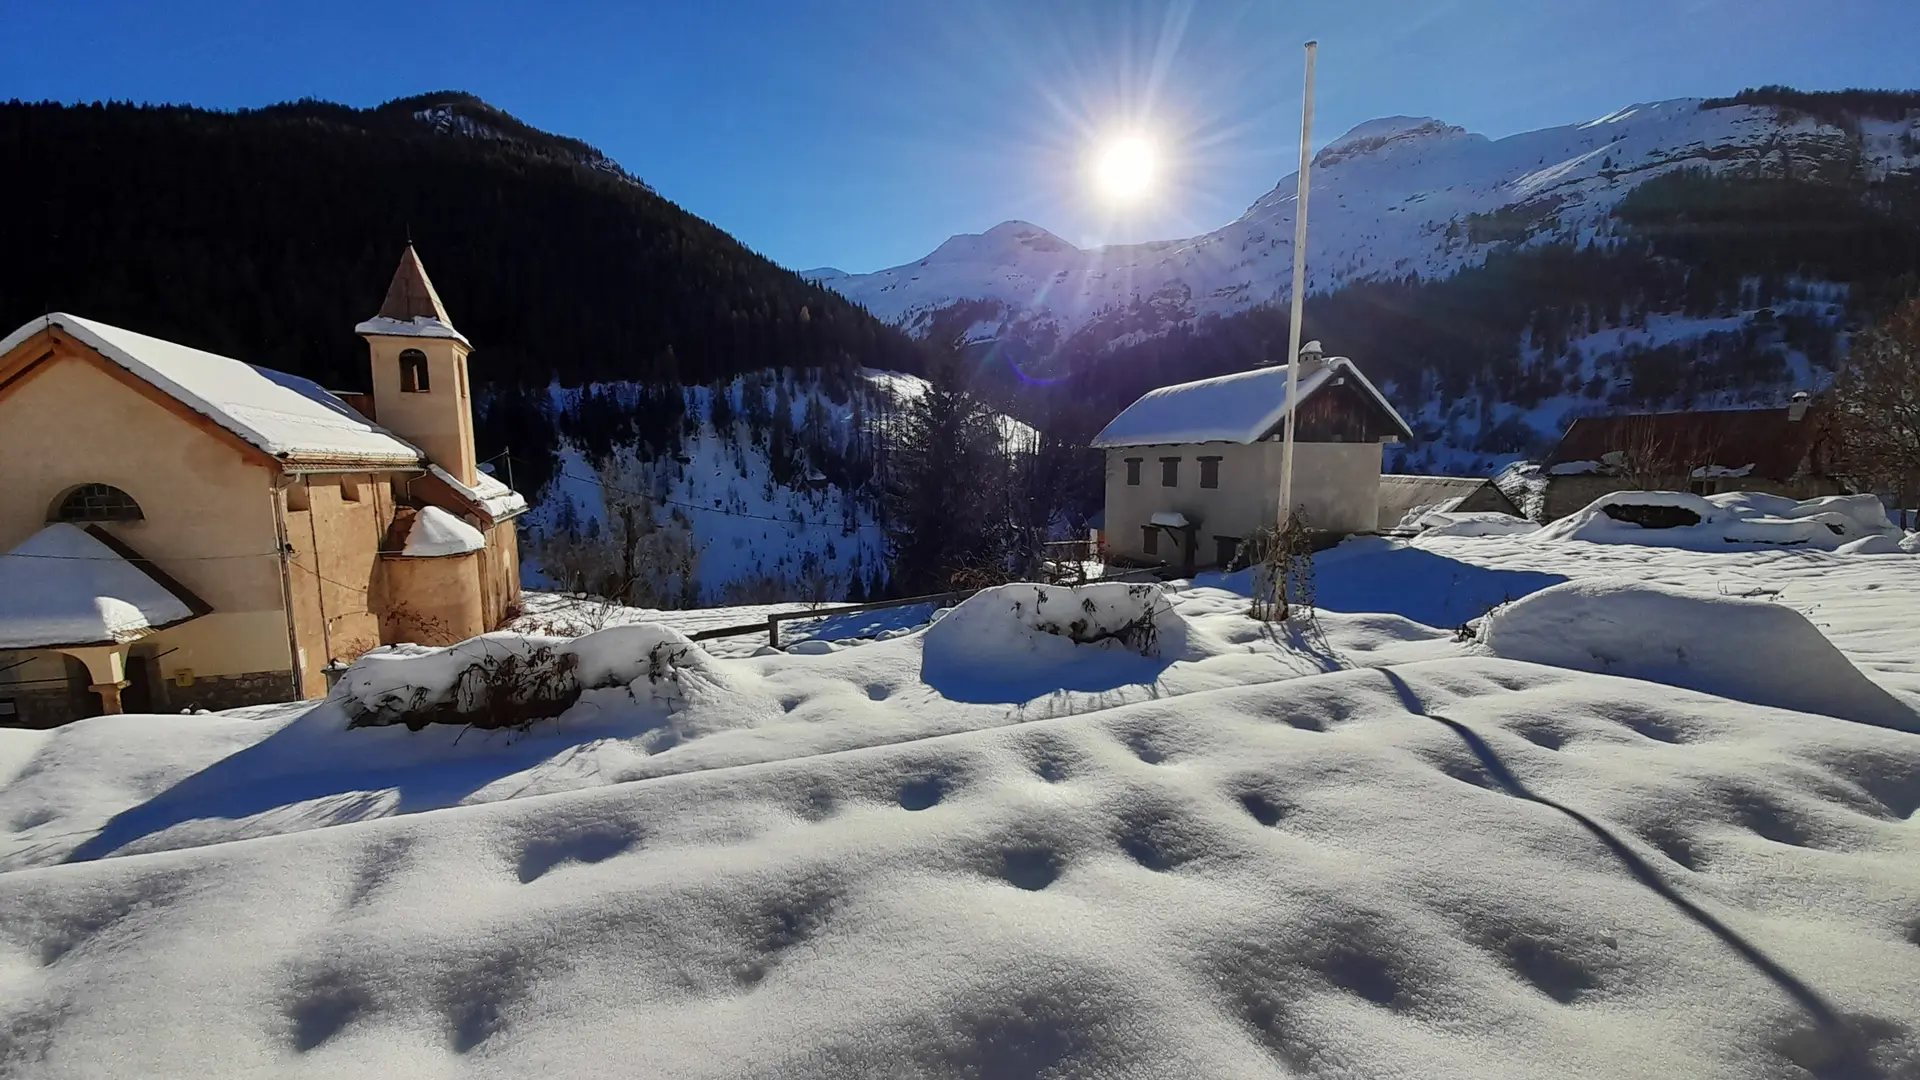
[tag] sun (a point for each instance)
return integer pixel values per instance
(1126, 169)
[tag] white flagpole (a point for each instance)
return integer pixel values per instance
(1299, 288)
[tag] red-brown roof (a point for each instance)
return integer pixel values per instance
(411, 295)
(1770, 440)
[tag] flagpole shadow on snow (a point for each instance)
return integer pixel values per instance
(1845, 1057)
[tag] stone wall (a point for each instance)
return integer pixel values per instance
(39, 707)
(217, 692)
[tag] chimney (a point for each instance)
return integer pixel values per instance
(1797, 406)
(1310, 354)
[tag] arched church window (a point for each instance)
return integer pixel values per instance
(413, 371)
(97, 502)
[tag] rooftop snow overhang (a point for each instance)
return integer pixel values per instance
(94, 575)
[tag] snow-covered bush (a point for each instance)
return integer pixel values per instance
(1736, 647)
(511, 680)
(1024, 626)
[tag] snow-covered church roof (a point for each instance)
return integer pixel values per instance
(288, 417)
(65, 586)
(1239, 408)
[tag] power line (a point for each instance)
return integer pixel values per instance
(842, 526)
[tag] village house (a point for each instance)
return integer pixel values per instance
(184, 530)
(1406, 498)
(1779, 451)
(1194, 469)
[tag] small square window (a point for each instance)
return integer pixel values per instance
(1209, 472)
(1169, 472)
(1133, 472)
(1150, 539)
(350, 488)
(297, 495)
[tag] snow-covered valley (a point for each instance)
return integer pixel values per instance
(1366, 845)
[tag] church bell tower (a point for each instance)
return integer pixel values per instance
(420, 388)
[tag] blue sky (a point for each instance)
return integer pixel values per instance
(861, 134)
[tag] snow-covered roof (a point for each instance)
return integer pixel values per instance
(1172, 519)
(61, 586)
(495, 499)
(283, 415)
(418, 326)
(436, 532)
(1238, 408)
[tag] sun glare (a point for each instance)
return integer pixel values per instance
(1125, 169)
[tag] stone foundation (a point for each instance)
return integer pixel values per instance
(39, 707)
(216, 692)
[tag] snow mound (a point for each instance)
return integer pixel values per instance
(510, 680)
(1682, 519)
(1036, 635)
(1748, 649)
(1911, 543)
(1474, 523)
(436, 532)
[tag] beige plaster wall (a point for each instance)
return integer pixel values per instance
(441, 599)
(1337, 485)
(208, 508)
(439, 421)
(336, 575)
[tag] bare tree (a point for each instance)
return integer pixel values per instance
(628, 557)
(1876, 411)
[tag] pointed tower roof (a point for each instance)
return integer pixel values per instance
(412, 307)
(412, 296)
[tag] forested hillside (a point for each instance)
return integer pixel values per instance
(267, 234)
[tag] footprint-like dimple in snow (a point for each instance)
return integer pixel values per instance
(1146, 746)
(922, 793)
(593, 846)
(879, 692)
(1031, 869)
(1674, 845)
(322, 1006)
(1264, 810)
(1548, 967)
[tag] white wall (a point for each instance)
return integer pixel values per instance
(1337, 485)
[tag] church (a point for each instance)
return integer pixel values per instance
(184, 530)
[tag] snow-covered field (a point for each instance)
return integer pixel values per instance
(1654, 818)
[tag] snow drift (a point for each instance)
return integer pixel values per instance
(1736, 647)
(1682, 519)
(1473, 523)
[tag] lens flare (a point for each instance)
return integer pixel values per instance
(1125, 169)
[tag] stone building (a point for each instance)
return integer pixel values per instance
(185, 530)
(1779, 451)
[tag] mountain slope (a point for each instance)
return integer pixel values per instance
(1395, 196)
(268, 234)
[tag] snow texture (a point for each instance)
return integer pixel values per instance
(1737, 647)
(1350, 848)
(436, 532)
(424, 326)
(496, 499)
(1741, 517)
(1474, 523)
(283, 415)
(63, 587)
(1240, 408)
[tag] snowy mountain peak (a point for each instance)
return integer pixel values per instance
(1009, 238)
(1384, 131)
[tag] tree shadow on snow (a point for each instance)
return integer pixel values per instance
(1362, 576)
(315, 772)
